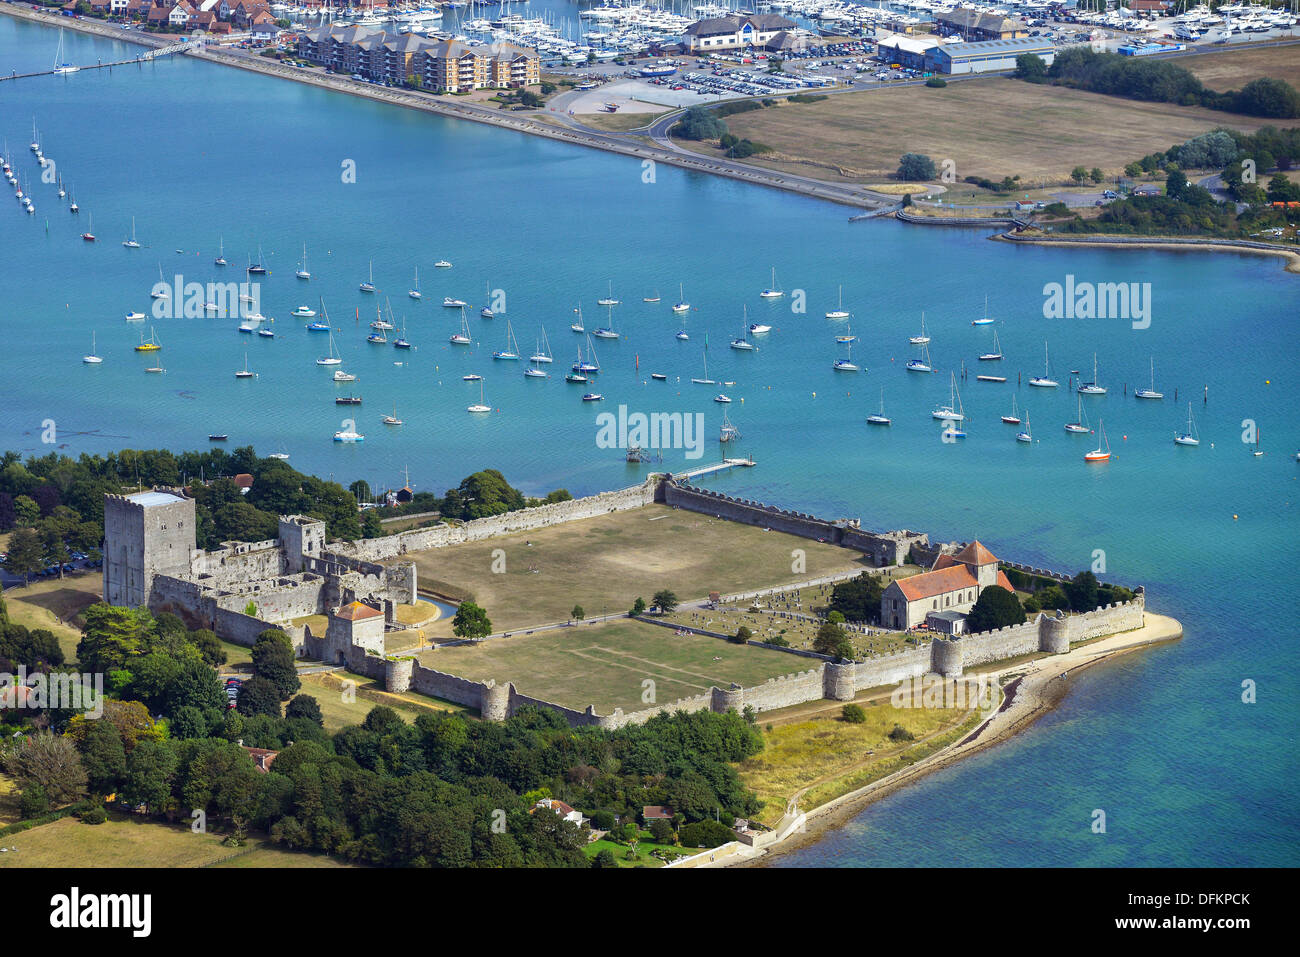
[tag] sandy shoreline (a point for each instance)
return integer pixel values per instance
(1029, 697)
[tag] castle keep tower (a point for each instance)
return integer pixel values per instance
(300, 537)
(145, 534)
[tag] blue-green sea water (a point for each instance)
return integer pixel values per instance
(1187, 773)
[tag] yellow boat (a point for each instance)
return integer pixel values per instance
(150, 346)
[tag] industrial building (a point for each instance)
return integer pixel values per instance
(988, 56)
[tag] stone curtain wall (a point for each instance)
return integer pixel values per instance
(421, 539)
(885, 549)
(238, 562)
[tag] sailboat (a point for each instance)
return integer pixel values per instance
(921, 364)
(838, 312)
(1188, 437)
(257, 268)
(1078, 426)
(608, 300)
(848, 335)
(681, 305)
(302, 271)
(400, 342)
(1150, 393)
(1100, 454)
(705, 380)
(414, 291)
(578, 326)
(59, 65)
(728, 432)
(481, 406)
(922, 339)
(543, 353)
(131, 243)
(1013, 418)
(985, 320)
(161, 291)
(654, 298)
(1092, 388)
(1026, 435)
(741, 343)
(150, 345)
(72, 206)
(462, 338)
(879, 418)
(1044, 381)
(511, 350)
(333, 359)
(847, 364)
(953, 411)
(392, 419)
(996, 354)
(590, 364)
(369, 284)
(62, 192)
(244, 373)
(221, 252)
(89, 234)
(92, 359)
(576, 375)
(487, 312)
(606, 331)
(773, 291)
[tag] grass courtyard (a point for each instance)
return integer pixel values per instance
(606, 664)
(605, 563)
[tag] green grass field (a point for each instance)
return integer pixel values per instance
(605, 563)
(327, 689)
(643, 848)
(605, 664)
(55, 604)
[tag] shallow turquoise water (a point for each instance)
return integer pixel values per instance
(1187, 774)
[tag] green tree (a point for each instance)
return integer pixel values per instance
(662, 831)
(258, 695)
(1031, 67)
(112, 637)
(1095, 174)
(604, 858)
(857, 599)
(103, 757)
(305, 706)
(273, 660)
(26, 512)
(853, 714)
(1079, 174)
(578, 613)
(831, 640)
(471, 621)
(638, 607)
(1082, 591)
(26, 556)
(915, 166)
(995, 608)
(665, 600)
(743, 634)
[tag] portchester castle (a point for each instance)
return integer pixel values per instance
(243, 588)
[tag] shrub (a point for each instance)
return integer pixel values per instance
(34, 801)
(743, 634)
(900, 733)
(705, 834)
(96, 815)
(936, 82)
(853, 714)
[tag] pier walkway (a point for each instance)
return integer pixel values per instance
(716, 467)
(173, 48)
